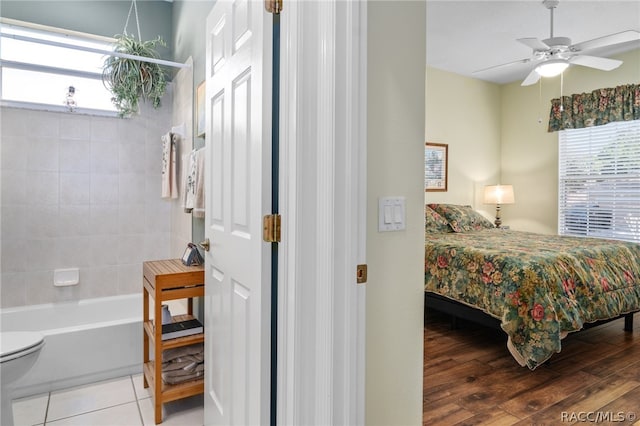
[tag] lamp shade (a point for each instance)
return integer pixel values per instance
(499, 194)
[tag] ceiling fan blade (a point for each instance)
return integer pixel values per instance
(532, 78)
(508, 64)
(617, 38)
(604, 64)
(534, 43)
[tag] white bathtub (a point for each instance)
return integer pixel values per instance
(85, 341)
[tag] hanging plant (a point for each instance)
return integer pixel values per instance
(132, 79)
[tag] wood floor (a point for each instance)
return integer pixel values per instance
(470, 378)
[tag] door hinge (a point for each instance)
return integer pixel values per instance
(273, 6)
(271, 228)
(361, 274)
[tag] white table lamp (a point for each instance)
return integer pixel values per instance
(498, 194)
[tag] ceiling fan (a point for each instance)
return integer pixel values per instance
(553, 55)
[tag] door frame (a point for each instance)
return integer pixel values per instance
(321, 310)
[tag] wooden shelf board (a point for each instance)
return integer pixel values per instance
(171, 273)
(173, 392)
(178, 341)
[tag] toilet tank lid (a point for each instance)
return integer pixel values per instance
(12, 342)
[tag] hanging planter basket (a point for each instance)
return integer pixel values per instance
(129, 80)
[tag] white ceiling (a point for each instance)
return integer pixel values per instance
(466, 36)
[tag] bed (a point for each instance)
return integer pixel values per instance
(537, 287)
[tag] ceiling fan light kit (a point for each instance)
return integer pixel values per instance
(552, 68)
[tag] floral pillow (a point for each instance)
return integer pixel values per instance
(434, 223)
(462, 218)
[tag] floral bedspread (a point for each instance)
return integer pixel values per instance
(540, 286)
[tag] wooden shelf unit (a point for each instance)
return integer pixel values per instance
(168, 280)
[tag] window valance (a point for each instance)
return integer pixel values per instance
(599, 107)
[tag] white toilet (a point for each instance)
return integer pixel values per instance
(20, 350)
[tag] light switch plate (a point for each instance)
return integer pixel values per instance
(391, 214)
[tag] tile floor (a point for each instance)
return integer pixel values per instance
(117, 402)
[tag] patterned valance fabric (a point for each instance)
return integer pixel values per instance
(599, 107)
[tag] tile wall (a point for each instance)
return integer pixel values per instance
(80, 191)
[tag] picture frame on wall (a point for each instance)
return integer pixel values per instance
(436, 164)
(200, 110)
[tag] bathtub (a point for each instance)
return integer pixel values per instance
(85, 341)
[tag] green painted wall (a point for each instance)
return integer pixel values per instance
(189, 25)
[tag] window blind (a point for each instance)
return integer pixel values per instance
(599, 181)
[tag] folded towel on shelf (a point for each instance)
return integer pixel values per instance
(169, 178)
(172, 379)
(175, 353)
(180, 366)
(183, 362)
(193, 194)
(177, 380)
(197, 368)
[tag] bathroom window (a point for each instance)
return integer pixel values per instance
(38, 72)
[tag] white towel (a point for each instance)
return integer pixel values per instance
(175, 140)
(169, 178)
(190, 175)
(193, 199)
(198, 205)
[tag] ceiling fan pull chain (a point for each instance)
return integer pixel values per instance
(540, 101)
(561, 89)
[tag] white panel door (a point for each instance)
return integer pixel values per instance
(238, 173)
